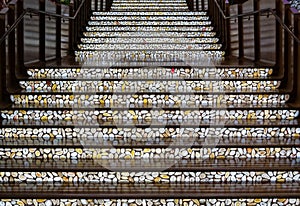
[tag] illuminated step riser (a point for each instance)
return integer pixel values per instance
(154, 54)
(148, 46)
(149, 73)
(151, 28)
(148, 23)
(154, 8)
(135, 86)
(110, 100)
(149, 13)
(172, 34)
(91, 112)
(148, 153)
(142, 202)
(149, 18)
(155, 40)
(150, 177)
(116, 135)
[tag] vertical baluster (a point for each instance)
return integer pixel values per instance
(101, 5)
(4, 96)
(12, 82)
(296, 73)
(77, 23)
(241, 31)
(20, 41)
(257, 43)
(58, 32)
(42, 33)
(289, 55)
(96, 5)
(71, 30)
(228, 30)
(279, 35)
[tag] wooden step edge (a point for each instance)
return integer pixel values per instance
(144, 190)
(149, 165)
(99, 143)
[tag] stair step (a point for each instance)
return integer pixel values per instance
(172, 34)
(149, 46)
(157, 40)
(150, 53)
(146, 8)
(119, 23)
(150, 72)
(139, 112)
(159, 201)
(126, 136)
(149, 4)
(150, 171)
(150, 1)
(128, 99)
(136, 85)
(136, 17)
(211, 152)
(281, 127)
(151, 166)
(147, 191)
(162, 141)
(124, 28)
(150, 13)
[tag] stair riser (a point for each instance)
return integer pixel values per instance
(158, 8)
(149, 4)
(152, 134)
(150, 73)
(150, 46)
(160, 40)
(150, 28)
(150, 177)
(138, 202)
(117, 54)
(148, 100)
(91, 24)
(172, 34)
(160, 114)
(149, 86)
(150, 13)
(149, 17)
(147, 153)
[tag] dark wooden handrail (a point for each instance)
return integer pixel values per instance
(36, 11)
(14, 16)
(287, 35)
(252, 13)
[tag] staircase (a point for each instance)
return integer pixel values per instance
(150, 114)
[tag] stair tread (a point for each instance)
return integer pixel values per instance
(154, 123)
(146, 190)
(149, 165)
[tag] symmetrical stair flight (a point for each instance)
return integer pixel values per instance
(151, 117)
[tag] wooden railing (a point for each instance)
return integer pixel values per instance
(287, 38)
(12, 37)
